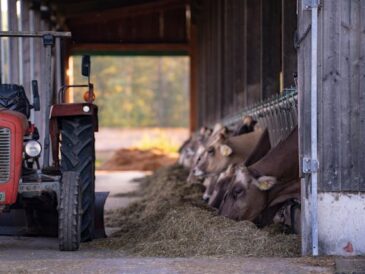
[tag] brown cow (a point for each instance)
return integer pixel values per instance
(209, 184)
(223, 151)
(219, 130)
(221, 186)
(188, 149)
(289, 215)
(265, 184)
(247, 125)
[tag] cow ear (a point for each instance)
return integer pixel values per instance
(225, 150)
(265, 182)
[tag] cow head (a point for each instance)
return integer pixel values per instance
(209, 184)
(221, 186)
(246, 196)
(215, 157)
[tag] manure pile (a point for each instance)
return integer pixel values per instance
(171, 220)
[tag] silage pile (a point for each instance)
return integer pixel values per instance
(171, 221)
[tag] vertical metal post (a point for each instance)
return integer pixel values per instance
(58, 63)
(314, 156)
(10, 42)
(20, 42)
(48, 42)
(31, 59)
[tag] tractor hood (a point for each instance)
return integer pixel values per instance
(14, 117)
(13, 126)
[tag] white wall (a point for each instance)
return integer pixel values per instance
(341, 224)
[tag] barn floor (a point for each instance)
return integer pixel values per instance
(41, 255)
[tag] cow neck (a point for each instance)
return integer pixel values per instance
(281, 162)
(243, 145)
(282, 192)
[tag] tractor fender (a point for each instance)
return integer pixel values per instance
(67, 110)
(58, 111)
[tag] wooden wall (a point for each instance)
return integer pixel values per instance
(341, 82)
(240, 53)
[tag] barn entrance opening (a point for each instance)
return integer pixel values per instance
(143, 108)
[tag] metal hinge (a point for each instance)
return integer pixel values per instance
(309, 165)
(309, 4)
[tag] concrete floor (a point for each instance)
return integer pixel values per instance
(117, 182)
(41, 255)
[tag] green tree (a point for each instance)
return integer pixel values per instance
(139, 91)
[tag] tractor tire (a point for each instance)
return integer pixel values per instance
(78, 154)
(69, 212)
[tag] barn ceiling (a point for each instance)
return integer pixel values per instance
(108, 23)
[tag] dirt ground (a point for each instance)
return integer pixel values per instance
(141, 160)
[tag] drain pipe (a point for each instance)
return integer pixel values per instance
(314, 155)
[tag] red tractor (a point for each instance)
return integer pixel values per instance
(55, 198)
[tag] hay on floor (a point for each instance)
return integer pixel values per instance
(172, 221)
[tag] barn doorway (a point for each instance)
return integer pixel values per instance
(143, 108)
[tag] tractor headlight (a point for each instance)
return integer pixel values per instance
(33, 149)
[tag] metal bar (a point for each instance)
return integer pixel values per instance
(11, 45)
(31, 60)
(47, 88)
(58, 63)
(33, 34)
(20, 42)
(314, 154)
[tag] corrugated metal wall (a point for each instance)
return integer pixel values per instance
(239, 53)
(341, 92)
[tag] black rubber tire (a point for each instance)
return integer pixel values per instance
(69, 212)
(78, 154)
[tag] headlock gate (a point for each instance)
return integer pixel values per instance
(278, 113)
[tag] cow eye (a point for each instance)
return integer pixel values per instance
(211, 150)
(238, 191)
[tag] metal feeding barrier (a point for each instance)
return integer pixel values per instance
(278, 113)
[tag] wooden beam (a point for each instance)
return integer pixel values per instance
(72, 7)
(115, 48)
(253, 51)
(129, 11)
(271, 47)
(193, 80)
(289, 54)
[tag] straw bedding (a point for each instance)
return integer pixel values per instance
(171, 220)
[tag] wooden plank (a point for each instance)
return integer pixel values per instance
(304, 51)
(128, 11)
(228, 59)
(13, 44)
(344, 108)
(271, 49)
(289, 54)
(202, 29)
(253, 51)
(26, 49)
(182, 48)
(304, 88)
(238, 56)
(329, 129)
(220, 78)
(361, 100)
(193, 79)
